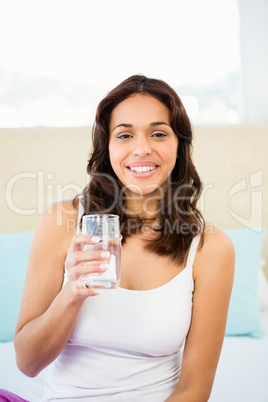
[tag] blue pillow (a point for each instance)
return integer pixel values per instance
(244, 312)
(14, 252)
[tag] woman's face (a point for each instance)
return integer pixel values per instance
(142, 144)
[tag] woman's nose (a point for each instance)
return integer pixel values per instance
(142, 148)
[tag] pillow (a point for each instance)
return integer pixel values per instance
(263, 288)
(14, 252)
(244, 310)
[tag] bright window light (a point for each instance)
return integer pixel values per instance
(60, 57)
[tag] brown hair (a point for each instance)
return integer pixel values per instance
(180, 220)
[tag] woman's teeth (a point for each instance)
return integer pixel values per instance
(140, 169)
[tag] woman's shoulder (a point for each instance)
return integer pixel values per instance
(217, 251)
(67, 207)
(215, 237)
(56, 226)
(59, 218)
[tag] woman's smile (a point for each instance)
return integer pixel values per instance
(142, 169)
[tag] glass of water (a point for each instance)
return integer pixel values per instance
(107, 228)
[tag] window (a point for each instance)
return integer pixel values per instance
(59, 58)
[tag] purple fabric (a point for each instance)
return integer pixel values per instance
(7, 396)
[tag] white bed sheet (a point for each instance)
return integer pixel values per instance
(242, 374)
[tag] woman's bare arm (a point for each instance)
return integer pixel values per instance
(48, 311)
(213, 276)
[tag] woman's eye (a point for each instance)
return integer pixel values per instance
(159, 135)
(123, 136)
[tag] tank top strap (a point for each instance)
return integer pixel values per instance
(80, 214)
(193, 250)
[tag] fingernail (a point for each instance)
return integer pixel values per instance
(103, 267)
(95, 239)
(105, 254)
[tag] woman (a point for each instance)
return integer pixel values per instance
(176, 272)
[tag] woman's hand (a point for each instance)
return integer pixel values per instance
(81, 262)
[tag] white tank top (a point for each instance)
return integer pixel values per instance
(127, 345)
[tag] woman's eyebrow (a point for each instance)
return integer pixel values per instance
(159, 123)
(122, 125)
(153, 124)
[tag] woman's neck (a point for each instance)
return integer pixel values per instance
(144, 207)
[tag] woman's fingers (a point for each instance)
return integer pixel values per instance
(85, 258)
(79, 257)
(75, 272)
(82, 262)
(90, 291)
(80, 290)
(81, 240)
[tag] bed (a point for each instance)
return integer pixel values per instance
(242, 373)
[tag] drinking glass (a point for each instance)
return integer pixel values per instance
(107, 228)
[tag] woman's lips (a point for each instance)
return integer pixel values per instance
(142, 169)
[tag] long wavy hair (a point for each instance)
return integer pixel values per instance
(179, 219)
